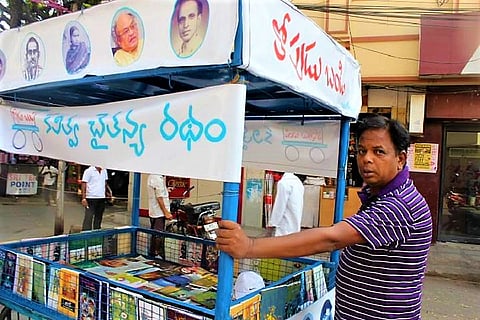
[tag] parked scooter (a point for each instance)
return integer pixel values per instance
(192, 219)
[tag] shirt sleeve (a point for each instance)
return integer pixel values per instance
(385, 223)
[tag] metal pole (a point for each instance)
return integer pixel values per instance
(59, 212)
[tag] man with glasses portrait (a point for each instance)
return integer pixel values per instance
(32, 67)
(126, 35)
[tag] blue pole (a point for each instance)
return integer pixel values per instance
(136, 199)
(225, 263)
(341, 178)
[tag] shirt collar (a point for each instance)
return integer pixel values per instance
(399, 179)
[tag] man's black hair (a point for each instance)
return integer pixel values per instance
(180, 2)
(398, 133)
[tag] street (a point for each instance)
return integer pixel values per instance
(29, 218)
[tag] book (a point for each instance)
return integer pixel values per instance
(248, 309)
(127, 279)
(208, 281)
(94, 248)
(190, 253)
(68, 292)
(23, 276)
(123, 304)
(179, 314)
(8, 274)
(124, 243)
(57, 251)
(172, 249)
(320, 284)
(110, 245)
(39, 285)
(53, 287)
(150, 310)
(210, 258)
(89, 298)
(205, 298)
(76, 251)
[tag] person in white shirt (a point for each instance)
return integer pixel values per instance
(49, 174)
(287, 209)
(94, 193)
(158, 209)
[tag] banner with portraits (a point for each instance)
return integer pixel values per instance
(181, 134)
(118, 37)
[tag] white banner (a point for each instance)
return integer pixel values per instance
(283, 45)
(196, 134)
(118, 37)
(322, 309)
(311, 148)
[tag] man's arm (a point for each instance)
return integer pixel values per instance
(84, 194)
(166, 212)
(233, 240)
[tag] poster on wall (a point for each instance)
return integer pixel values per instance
(423, 157)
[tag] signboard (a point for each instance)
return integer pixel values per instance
(178, 187)
(21, 184)
(289, 146)
(161, 134)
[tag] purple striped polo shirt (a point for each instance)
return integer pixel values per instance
(383, 278)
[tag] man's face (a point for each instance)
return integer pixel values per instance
(32, 54)
(188, 20)
(127, 32)
(378, 162)
(75, 39)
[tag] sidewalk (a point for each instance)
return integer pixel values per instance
(452, 286)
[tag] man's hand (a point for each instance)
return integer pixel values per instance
(233, 240)
(168, 215)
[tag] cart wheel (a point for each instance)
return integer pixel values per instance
(175, 227)
(317, 155)
(292, 153)
(19, 139)
(37, 142)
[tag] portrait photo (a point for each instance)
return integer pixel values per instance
(127, 37)
(76, 47)
(188, 26)
(32, 57)
(3, 64)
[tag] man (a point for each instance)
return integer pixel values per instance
(127, 39)
(158, 209)
(94, 193)
(49, 174)
(287, 209)
(382, 266)
(189, 19)
(32, 60)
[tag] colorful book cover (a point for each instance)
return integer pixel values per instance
(210, 258)
(68, 292)
(8, 274)
(89, 302)
(150, 310)
(53, 287)
(247, 310)
(124, 243)
(123, 305)
(205, 298)
(76, 251)
(127, 279)
(208, 281)
(172, 249)
(190, 253)
(273, 301)
(295, 295)
(2, 263)
(23, 276)
(94, 248)
(179, 314)
(110, 245)
(105, 301)
(57, 251)
(39, 286)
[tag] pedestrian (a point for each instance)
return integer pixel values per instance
(287, 209)
(385, 244)
(95, 191)
(158, 210)
(49, 174)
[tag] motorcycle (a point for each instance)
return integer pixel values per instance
(455, 200)
(196, 220)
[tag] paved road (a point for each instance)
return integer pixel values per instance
(443, 298)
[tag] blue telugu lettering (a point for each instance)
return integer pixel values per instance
(256, 136)
(57, 124)
(191, 130)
